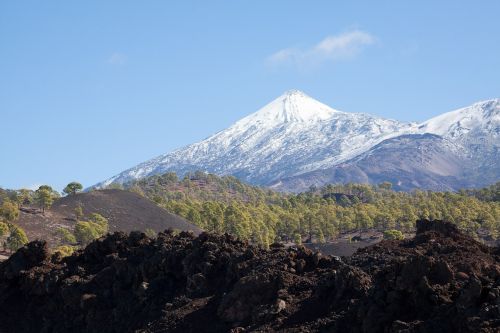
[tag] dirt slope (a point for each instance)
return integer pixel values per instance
(125, 211)
(439, 281)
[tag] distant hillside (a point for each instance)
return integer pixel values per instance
(201, 186)
(125, 211)
(225, 204)
(424, 161)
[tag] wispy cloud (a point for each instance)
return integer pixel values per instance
(117, 59)
(333, 48)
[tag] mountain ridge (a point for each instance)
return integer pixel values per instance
(294, 135)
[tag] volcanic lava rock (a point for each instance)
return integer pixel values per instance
(440, 281)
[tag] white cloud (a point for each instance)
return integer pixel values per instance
(117, 59)
(337, 47)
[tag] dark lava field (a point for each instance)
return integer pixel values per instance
(439, 281)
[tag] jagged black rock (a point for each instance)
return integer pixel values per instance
(439, 281)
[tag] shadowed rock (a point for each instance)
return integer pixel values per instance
(440, 281)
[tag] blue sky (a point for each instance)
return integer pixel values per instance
(90, 88)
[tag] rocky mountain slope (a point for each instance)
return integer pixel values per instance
(439, 281)
(425, 161)
(458, 149)
(296, 141)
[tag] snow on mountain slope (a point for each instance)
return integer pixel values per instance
(454, 150)
(425, 161)
(482, 118)
(292, 134)
(295, 135)
(475, 129)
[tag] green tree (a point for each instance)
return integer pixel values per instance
(66, 236)
(288, 222)
(170, 177)
(237, 221)
(25, 197)
(363, 220)
(78, 212)
(86, 232)
(385, 219)
(53, 192)
(44, 196)
(393, 234)
(101, 221)
(194, 216)
(65, 250)
(73, 188)
(9, 211)
(17, 238)
(150, 233)
(409, 217)
(213, 216)
(16, 198)
(321, 236)
(4, 229)
(297, 238)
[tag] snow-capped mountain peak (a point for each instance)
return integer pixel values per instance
(291, 106)
(295, 134)
(291, 134)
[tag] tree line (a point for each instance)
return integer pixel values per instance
(225, 204)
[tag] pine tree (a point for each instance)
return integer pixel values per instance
(9, 211)
(17, 238)
(44, 196)
(78, 212)
(73, 188)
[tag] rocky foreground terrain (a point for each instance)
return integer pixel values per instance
(439, 281)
